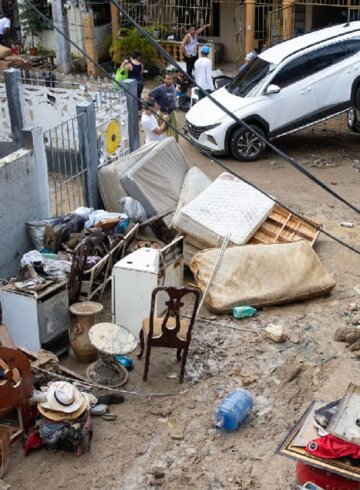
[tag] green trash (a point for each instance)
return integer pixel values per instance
(243, 312)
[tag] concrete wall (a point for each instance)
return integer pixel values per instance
(24, 196)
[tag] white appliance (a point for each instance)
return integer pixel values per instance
(136, 276)
(38, 321)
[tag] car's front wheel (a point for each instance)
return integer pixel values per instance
(245, 146)
(353, 121)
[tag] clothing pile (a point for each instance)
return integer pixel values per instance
(64, 421)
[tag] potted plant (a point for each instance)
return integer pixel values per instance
(31, 23)
(130, 39)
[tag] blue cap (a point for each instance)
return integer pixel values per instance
(205, 50)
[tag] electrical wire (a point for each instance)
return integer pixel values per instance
(282, 154)
(126, 90)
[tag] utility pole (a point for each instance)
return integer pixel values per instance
(63, 49)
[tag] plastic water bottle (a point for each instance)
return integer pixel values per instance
(233, 409)
(243, 312)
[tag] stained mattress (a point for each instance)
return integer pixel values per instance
(227, 205)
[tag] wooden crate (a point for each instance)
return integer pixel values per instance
(283, 227)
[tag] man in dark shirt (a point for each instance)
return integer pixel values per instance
(165, 97)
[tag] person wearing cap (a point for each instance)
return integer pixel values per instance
(189, 46)
(152, 130)
(203, 71)
(4, 30)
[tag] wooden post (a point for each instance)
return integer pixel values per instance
(90, 42)
(288, 24)
(249, 25)
(114, 20)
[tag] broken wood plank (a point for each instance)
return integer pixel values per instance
(5, 338)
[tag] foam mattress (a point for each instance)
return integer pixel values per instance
(227, 205)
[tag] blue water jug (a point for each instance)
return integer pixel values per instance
(233, 409)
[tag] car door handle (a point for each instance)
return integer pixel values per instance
(305, 90)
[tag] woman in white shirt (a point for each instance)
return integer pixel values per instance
(152, 130)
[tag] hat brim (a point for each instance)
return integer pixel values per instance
(59, 416)
(53, 404)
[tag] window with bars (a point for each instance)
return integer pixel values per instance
(175, 16)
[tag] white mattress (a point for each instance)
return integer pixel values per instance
(195, 182)
(111, 189)
(157, 178)
(228, 205)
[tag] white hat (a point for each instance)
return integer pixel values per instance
(63, 397)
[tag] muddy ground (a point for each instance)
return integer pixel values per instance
(170, 442)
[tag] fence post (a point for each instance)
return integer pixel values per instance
(16, 104)
(89, 151)
(33, 140)
(132, 107)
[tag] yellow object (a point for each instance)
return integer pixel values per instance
(112, 136)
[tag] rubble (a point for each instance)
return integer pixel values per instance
(275, 333)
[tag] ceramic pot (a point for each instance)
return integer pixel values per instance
(79, 336)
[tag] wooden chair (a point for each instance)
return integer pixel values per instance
(16, 386)
(170, 330)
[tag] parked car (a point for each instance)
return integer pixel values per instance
(288, 87)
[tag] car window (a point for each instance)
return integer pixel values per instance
(292, 72)
(352, 46)
(249, 77)
(324, 57)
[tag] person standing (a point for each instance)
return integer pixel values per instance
(189, 47)
(203, 73)
(152, 130)
(135, 71)
(4, 30)
(165, 96)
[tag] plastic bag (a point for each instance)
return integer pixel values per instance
(30, 257)
(120, 75)
(133, 208)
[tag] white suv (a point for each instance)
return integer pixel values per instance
(288, 87)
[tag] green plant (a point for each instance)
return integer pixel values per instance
(31, 23)
(130, 39)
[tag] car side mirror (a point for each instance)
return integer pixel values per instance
(272, 89)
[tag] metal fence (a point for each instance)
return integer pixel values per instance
(66, 166)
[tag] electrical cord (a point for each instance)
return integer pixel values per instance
(220, 164)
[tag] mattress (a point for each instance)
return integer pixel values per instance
(157, 178)
(110, 186)
(227, 205)
(194, 183)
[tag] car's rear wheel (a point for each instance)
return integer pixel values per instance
(357, 97)
(353, 121)
(245, 146)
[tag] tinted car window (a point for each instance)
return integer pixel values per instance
(325, 57)
(293, 72)
(249, 77)
(352, 46)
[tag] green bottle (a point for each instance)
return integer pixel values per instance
(243, 312)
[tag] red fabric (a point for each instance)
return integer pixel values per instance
(332, 447)
(34, 441)
(325, 480)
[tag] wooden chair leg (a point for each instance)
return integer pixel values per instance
(5, 434)
(178, 354)
(183, 362)
(147, 361)
(142, 343)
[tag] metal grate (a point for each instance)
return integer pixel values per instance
(66, 167)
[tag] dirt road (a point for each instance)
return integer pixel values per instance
(170, 442)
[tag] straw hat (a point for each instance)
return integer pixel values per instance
(63, 401)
